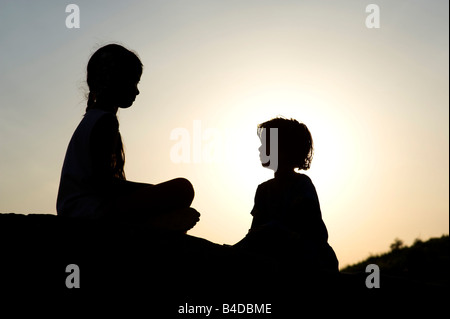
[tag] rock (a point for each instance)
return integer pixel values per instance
(119, 261)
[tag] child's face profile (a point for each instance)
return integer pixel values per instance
(127, 93)
(269, 151)
(264, 150)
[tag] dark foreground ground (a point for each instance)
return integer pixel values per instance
(165, 275)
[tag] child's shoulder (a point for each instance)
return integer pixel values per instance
(303, 181)
(296, 180)
(96, 117)
(99, 114)
(96, 121)
(303, 178)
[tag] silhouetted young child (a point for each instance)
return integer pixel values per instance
(287, 221)
(93, 183)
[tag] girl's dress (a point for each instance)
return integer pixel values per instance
(87, 184)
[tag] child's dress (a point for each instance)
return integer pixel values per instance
(287, 222)
(86, 185)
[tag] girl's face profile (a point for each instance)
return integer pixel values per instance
(127, 94)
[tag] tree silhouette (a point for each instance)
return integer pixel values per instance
(397, 244)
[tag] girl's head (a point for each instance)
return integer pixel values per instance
(113, 73)
(295, 144)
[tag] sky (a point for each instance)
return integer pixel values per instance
(376, 101)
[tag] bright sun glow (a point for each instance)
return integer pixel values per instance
(336, 148)
(238, 169)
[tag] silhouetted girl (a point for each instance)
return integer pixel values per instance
(93, 183)
(287, 221)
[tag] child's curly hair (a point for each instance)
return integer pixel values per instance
(295, 143)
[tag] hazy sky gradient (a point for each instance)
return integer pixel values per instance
(376, 102)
